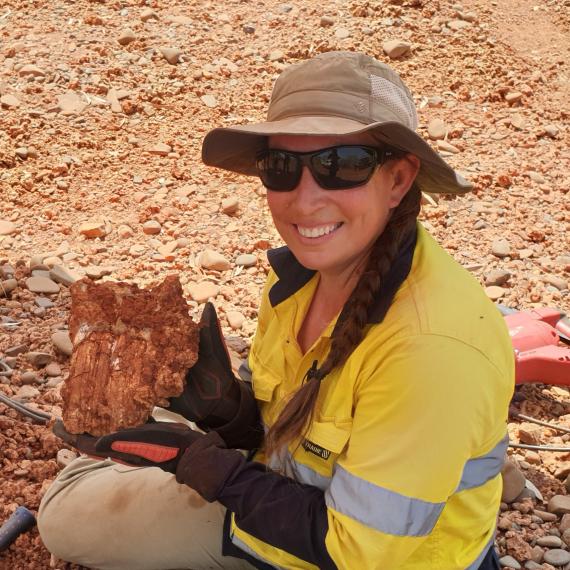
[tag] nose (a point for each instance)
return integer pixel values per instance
(308, 196)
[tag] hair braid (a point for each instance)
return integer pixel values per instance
(298, 413)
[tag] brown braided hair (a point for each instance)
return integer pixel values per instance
(298, 413)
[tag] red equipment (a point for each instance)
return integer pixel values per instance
(536, 336)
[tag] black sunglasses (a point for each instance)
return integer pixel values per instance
(333, 168)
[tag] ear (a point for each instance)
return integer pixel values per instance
(403, 173)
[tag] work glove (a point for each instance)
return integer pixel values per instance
(213, 397)
(159, 444)
(207, 466)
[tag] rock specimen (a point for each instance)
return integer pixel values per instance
(131, 349)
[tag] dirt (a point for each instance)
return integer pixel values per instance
(100, 173)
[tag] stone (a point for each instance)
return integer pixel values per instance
(52, 370)
(139, 345)
(235, 319)
(126, 37)
(202, 291)
(564, 524)
(437, 129)
(64, 457)
(447, 147)
(557, 557)
(151, 227)
(62, 342)
(494, 293)
(501, 248)
(9, 101)
(559, 504)
(513, 481)
(167, 250)
(510, 562)
(246, 259)
(532, 565)
(549, 541)
(276, 55)
(31, 71)
(63, 275)
(44, 302)
(7, 228)
(125, 231)
(160, 149)
(42, 285)
(38, 359)
(566, 536)
(22, 152)
(396, 48)
(551, 131)
(26, 393)
(457, 25)
(530, 433)
(342, 33)
(29, 377)
(171, 55)
(148, 14)
(113, 99)
(248, 28)
(536, 177)
(327, 21)
(7, 286)
(209, 100)
(210, 259)
(497, 277)
(518, 122)
(537, 554)
(98, 271)
(230, 205)
(16, 349)
(92, 230)
(513, 97)
(545, 516)
(71, 103)
(137, 250)
(559, 282)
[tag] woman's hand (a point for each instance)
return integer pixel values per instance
(211, 396)
(159, 444)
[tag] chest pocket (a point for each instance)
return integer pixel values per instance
(319, 451)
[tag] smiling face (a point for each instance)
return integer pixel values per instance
(332, 231)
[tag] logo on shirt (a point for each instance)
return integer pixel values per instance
(315, 449)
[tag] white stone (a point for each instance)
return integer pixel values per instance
(201, 292)
(210, 259)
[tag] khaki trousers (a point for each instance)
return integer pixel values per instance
(109, 516)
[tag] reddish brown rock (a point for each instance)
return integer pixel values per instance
(132, 348)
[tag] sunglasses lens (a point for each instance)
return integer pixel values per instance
(278, 170)
(343, 166)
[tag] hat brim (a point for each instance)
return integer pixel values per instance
(235, 148)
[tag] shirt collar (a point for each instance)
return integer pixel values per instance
(292, 276)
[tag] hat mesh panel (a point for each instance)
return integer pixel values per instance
(389, 95)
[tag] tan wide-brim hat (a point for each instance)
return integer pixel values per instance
(336, 93)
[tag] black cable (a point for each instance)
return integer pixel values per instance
(540, 447)
(37, 415)
(541, 423)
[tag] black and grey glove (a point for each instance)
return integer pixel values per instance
(213, 397)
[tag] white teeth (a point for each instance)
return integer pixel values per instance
(317, 232)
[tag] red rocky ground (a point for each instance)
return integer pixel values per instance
(103, 106)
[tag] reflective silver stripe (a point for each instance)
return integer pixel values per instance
(479, 470)
(307, 475)
(477, 563)
(302, 473)
(243, 546)
(380, 508)
(244, 371)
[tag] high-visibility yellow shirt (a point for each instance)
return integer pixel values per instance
(409, 435)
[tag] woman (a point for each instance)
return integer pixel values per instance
(380, 373)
